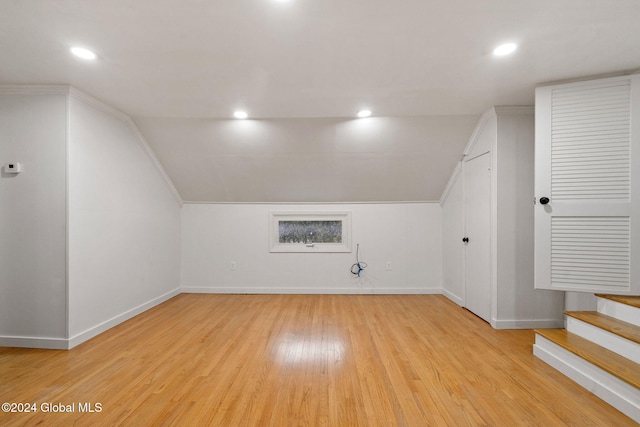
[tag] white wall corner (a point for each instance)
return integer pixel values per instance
(139, 137)
(452, 180)
(152, 156)
(452, 297)
(477, 131)
(95, 102)
(116, 320)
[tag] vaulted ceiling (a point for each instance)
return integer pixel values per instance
(302, 69)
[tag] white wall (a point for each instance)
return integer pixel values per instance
(507, 133)
(33, 218)
(409, 235)
(516, 297)
(124, 223)
(580, 301)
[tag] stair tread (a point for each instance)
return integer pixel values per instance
(633, 301)
(608, 323)
(607, 360)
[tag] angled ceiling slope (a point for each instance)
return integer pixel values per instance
(311, 64)
(309, 160)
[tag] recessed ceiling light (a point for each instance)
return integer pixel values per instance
(505, 49)
(240, 115)
(83, 53)
(364, 113)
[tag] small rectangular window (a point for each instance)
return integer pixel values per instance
(310, 231)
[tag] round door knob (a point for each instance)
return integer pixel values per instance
(465, 239)
(544, 200)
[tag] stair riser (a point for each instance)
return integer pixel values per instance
(613, 342)
(623, 312)
(612, 390)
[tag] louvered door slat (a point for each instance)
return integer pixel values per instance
(602, 111)
(605, 239)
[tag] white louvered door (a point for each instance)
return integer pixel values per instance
(587, 166)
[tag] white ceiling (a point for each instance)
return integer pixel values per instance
(196, 60)
(309, 160)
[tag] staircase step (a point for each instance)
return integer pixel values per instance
(607, 360)
(608, 323)
(623, 308)
(633, 301)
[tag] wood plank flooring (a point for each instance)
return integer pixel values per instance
(300, 360)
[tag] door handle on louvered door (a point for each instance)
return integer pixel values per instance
(544, 200)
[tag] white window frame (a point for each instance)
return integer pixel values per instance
(274, 237)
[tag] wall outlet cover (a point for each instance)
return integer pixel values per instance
(13, 167)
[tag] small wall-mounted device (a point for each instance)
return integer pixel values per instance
(13, 167)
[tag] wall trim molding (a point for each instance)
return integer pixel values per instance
(108, 324)
(623, 73)
(514, 109)
(310, 291)
(96, 103)
(452, 297)
(527, 323)
(34, 342)
(34, 89)
(68, 344)
(188, 202)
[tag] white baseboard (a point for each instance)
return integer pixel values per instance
(527, 323)
(63, 344)
(612, 390)
(32, 342)
(100, 328)
(452, 297)
(313, 291)
(66, 344)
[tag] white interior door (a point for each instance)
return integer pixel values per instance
(587, 145)
(477, 211)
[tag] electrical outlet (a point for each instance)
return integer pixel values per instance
(13, 168)
(233, 265)
(388, 265)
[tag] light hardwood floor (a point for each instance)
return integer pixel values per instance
(298, 360)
